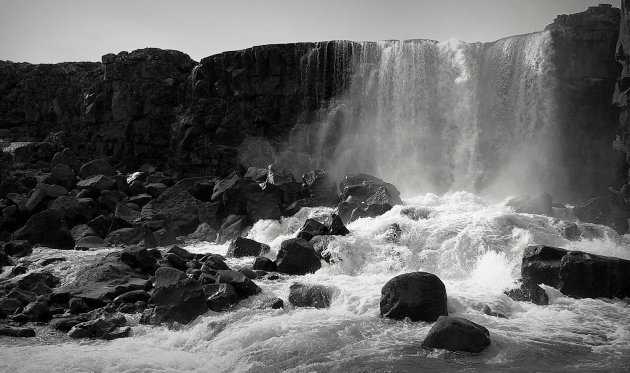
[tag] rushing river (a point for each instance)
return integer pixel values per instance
(474, 246)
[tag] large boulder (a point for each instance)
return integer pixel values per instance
(18, 248)
(242, 284)
(62, 175)
(124, 217)
(97, 167)
(308, 295)
(46, 228)
(457, 334)
(541, 205)
(365, 195)
(610, 210)
(96, 184)
(15, 332)
(312, 228)
(574, 273)
(242, 247)
(42, 194)
(297, 257)
(181, 302)
(220, 296)
(322, 187)
(420, 296)
(132, 236)
(105, 327)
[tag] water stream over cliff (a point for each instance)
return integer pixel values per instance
(437, 117)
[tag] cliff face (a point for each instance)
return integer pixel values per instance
(236, 107)
(622, 91)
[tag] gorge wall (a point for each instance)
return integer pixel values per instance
(264, 104)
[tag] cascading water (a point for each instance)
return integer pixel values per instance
(437, 117)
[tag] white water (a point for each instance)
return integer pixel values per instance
(474, 246)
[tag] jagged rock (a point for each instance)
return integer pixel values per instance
(81, 231)
(69, 208)
(141, 200)
(335, 226)
(103, 327)
(18, 248)
(214, 262)
(97, 167)
(306, 295)
(97, 184)
(183, 253)
(77, 306)
(176, 261)
(393, 234)
(322, 187)
(42, 194)
(181, 302)
(364, 195)
(62, 175)
(273, 303)
(265, 264)
(457, 334)
(132, 236)
(242, 247)
(46, 228)
(109, 199)
(66, 157)
(5, 260)
(37, 311)
(297, 257)
(204, 232)
(155, 189)
(232, 228)
(124, 217)
(312, 228)
(296, 206)
(220, 296)
(243, 286)
(10, 331)
(136, 187)
(202, 189)
(540, 205)
(132, 297)
(610, 210)
(259, 175)
(320, 245)
(167, 276)
(573, 273)
(53, 260)
(100, 224)
(420, 296)
(140, 258)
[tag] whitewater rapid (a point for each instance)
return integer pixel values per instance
(474, 246)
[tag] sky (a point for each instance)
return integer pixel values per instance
(48, 31)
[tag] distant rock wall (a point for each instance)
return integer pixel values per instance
(622, 92)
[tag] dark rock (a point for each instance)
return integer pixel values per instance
(265, 264)
(49, 261)
(97, 184)
(97, 167)
(394, 232)
(109, 199)
(242, 247)
(312, 228)
(259, 175)
(181, 302)
(335, 226)
(607, 210)
(105, 327)
(132, 297)
(457, 334)
(364, 195)
(155, 189)
(18, 248)
(214, 262)
(420, 296)
(141, 200)
(220, 296)
(204, 232)
(69, 208)
(203, 189)
(137, 187)
(66, 323)
(273, 303)
(90, 242)
(183, 253)
(540, 205)
(100, 224)
(249, 273)
(66, 157)
(243, 286)
(140, 258)
(10, 331)
(297, 257)
(37, 311)
(5, 260)
(132, 236)
(318, 296)
(46, 228)
(124, 217)
(167, 276)
(31, 280)
(573, 273)
(77, 306)
(232, 228)
(62, 175)
(322, 187)
(176, 261)
(296, 206)
(42, 194)
(9, 306)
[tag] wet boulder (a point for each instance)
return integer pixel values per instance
(335, 226)
(365, 195)
(233, 227)
(297, 257)
(97, 184)
(242, 247)
(322, 187)
(242, 284)
(166, 276)
(310, 295)
(180, 302)
(97, 167)
(420, 296)
(264, 264)
(46, 228)
(18, 248)
(124, 217)
(214, 262)
(133, 297)
(272, 303)
(312, 228)
(574, 273)
(15, 332)
(90, 242)
(104, 327)
(457, 334)
(182, 253)
(296, 206)
(70, 209)
(139, 257)
(37, 311)
(610, 210)
(42, 194)
(140, 235)
(220, 296)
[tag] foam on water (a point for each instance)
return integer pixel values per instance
(473, 245)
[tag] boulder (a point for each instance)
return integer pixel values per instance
(78, 306)
(610, 210)
(10, 331)
(133, 297)
(364, 195)
(132, 236)
(100, 225)
(167, 276)
(264, 264)
(312, 228)
(109, 199)
(183, 253)
(220, 296)
(242, 284)
(322, 187)
(139, 257)
(214, 262)
(273, 303)
(42, 194)
(104, 327)
(335, 226)
(69, 208)
(81, 231)
(5, 260)
(457, 334)
(574, 273)
(181, 302)
(46, 228)
(97, 184)
(306, 295)
(137, 187)
(155, 189)
(124, 217)
(420, 296)
(66, 157)
(176, 261)
(97, 167)
(320, 245)
(540, 205)
(296, 206)
(297, 257)
(232, 228)
(37, 311)
(62, 175)
(242, 247)
(18, 248)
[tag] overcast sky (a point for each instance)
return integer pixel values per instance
(82, 30)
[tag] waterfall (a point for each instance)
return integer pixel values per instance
(440, 116)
